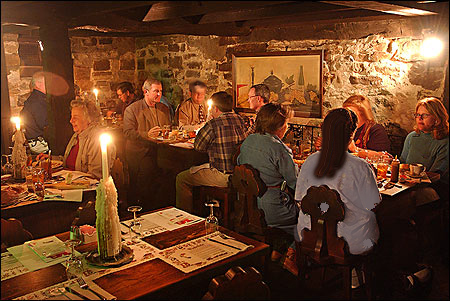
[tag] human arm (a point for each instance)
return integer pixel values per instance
(204, 138)
(441, 161)
(130, 126)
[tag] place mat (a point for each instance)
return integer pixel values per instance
(201, 252)
(11, 267)
(48, 248)
(75, 195)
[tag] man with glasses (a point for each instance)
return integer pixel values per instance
(194, 110)
(258, 95)
(143, 119)
(125, 92)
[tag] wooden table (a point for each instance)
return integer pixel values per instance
(45, 218)
(153, 279)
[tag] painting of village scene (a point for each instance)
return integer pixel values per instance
(294, 79)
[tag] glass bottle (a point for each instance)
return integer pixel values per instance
(395, 165)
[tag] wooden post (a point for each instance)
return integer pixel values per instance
(57, 60)
(6, 107)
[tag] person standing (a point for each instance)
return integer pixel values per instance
(194, 110)
(219, 137)
(142, 119)
(34, 115)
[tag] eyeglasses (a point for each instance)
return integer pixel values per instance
(250, 97)
(422, 116)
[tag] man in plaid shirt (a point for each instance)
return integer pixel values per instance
(219, 137)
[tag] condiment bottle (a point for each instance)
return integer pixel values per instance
(395, 165)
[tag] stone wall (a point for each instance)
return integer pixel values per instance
(102, 63)
(19, 88)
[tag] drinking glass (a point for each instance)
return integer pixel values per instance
(166, 131)
(135, 225)
(38, 181)
(74, 264)
(29, 178)
(211, 222)
(382, 167)
(7, 166)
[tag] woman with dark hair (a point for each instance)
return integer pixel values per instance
(349, 175)
(265, 151)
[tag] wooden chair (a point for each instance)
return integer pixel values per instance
(13, 233)
(322, 248)
(247, 218)
(238, 284)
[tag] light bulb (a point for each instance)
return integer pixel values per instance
(431, 47)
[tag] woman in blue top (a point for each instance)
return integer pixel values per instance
(428, 143)
(265, 151)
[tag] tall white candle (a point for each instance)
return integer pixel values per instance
(16, 120)
(104, 140)
(96, 93)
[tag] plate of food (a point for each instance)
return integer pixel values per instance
(12, 194)
(421, 175)
(55, 164)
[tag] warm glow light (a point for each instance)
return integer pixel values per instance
(210, 103)
(104, 140)
(41, 45)
(16, 120)
(431, 47)
(95, 92)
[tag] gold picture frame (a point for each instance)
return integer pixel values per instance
(293, 77)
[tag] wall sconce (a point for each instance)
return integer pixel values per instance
(431, 47)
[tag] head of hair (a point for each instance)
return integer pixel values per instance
(223, 101)
(125, 87)
(435, 107)
(362, 104)
(37, 77)
(271, 117)
(263, 91)
(90, 110)
(149, 82)
(337, 130)
(196, 83)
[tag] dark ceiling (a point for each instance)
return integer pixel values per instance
(222, 18)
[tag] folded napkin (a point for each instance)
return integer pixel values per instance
(183, 144)
(90, 295)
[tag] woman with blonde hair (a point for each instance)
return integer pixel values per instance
(428, 143)
(369, 135)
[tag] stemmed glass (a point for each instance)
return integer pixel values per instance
(74, 264)
(135, 225)
(211, 222)
(7, 167)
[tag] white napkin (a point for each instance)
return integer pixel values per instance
(194, 169)
(183, 145)
(68, 195)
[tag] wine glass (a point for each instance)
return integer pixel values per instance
(211, 222)
(135, 225)
(7, 167)
(74, 264)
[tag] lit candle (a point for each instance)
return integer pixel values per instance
(210, 103)
(96, 94)
(16, 120)
(104, 140)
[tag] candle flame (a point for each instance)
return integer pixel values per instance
(104, 140)
(16, 120)
(210, 103)
(95, 92)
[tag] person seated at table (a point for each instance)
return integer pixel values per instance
(83, 152)
(370, 137)
(194, 110)
(143, 119)
(219, 137)
(125, 92)
(352, 177)
(258, 96)
(265, 151)
(428, 144)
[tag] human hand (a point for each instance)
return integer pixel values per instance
(154, 132)
(352, 146)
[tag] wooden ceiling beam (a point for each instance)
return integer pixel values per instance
(384, 7)
(176, 9)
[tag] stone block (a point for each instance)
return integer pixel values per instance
(82, 60)
(104, 41)
(166, 74)
(101, 74)
(11, 47)
(165, 60)
(102, 65)
(82, 73)
(428, 78)
(176, 62)
(10, 37)
(127, 64)
(227, 76)
(212, 77)
(246, 48)
(89, 42)
(12, 59)
(189, 56)
(142, 75)
(140, 64)
(183, 47)
(153, 61)
(194, 65)
(142, 53)
(192, 74)
(225, 66)
(173, 47)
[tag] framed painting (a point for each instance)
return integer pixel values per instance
(293, 77)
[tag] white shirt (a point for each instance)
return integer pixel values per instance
(356, 183)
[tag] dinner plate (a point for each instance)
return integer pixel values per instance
(408, 173)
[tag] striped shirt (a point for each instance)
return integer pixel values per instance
(220, 137)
